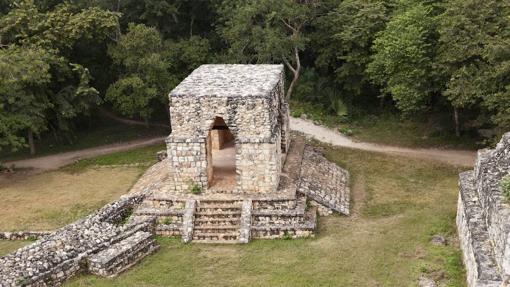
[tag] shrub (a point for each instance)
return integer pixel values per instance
(505, 186)
(195, 188)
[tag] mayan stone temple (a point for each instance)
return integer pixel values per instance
(483, 218)
(232, 172)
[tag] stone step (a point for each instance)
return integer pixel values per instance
(219, 207)
(218, 212)
(207, 241)
(223, 202)
(158, 211)
(216, 221)
(197, 235)
(122, 255)
(217, 228)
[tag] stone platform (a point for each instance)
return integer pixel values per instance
(212, 217)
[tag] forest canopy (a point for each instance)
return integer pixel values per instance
(62, 61)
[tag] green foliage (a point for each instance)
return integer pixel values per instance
(167, 220)
(403, 59)
(267, 32)
(144, 77)
(343, 41)
(474, 56)
(24, 76)
(195, 188)
(40, 87)
(185, 55)
(505, 186)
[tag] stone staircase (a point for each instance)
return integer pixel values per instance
(168, 213)
(217, 221)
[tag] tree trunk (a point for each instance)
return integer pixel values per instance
(30, 135)
(146, 121)
(295, 71)
(168, 115)
(456, 119)
(381, 101)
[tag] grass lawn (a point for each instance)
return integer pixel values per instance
(50, 200)
(400, 203)
(9, 246)
(390, 129)
(144, 156)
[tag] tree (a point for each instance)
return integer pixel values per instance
(50, 36)
(267, 31)
(144, 72)
(343, 41)
(474, 57)
(185, 55)
(24, 76)
(403, 57)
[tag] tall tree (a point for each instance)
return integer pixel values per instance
(54, 34)
(24, 77)
(265, 31)
(403, 57)
(144, 73)
(474, 57)
(343, 40)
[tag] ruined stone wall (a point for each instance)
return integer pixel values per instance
(56, 257)
(491, 166)
(483, 217)
(255, 123)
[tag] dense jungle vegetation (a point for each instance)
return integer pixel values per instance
(65, 63)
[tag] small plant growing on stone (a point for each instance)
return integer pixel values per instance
(287, 236)
(195, 188)
(31, 238)
(167, 221)
(505, 186)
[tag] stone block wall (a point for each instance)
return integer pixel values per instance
(483, 217)
(258, 167)
(256, 115)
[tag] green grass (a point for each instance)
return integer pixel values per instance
(7, 246)
(103, 133)
(406, 202)
(144, 156)
(388, 128)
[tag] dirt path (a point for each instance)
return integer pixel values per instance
(456, 157)
(326, 135)
(58, 160)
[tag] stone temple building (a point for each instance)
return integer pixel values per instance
(243, 105)
(232, 172)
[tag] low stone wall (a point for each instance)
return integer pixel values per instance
(483, 218)
(23, 235)
(324, 182)
(62, 254)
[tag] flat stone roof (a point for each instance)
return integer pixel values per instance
(225, 80)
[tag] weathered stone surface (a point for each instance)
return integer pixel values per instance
(250, 100)
(324, 182)
(60, 255)
(122, 255)
(483, 218)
